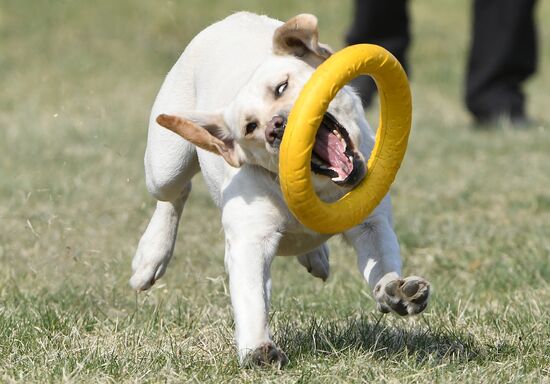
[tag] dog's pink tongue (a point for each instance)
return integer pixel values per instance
(331, 149)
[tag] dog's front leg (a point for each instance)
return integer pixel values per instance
(379, 262)
(248, 258)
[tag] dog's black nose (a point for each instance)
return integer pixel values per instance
(274, 130)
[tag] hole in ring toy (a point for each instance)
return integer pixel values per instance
(389, 148)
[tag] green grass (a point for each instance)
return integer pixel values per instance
(472, 211)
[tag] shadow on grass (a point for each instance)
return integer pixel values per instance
(373, 336)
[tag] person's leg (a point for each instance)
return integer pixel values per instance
(385, 23)
(503, 54)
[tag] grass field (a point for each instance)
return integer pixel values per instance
(472, 211)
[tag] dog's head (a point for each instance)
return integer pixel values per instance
(250, 129)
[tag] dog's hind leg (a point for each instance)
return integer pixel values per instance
(170, 164)
(169, 181)
(317, 262)
(156, 246)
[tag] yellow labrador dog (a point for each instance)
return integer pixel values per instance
(222, 110)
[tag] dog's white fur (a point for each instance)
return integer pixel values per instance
(224, 77)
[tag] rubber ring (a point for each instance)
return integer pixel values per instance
(389, 148)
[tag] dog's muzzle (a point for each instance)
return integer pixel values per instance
(333, 155)
(274, 131)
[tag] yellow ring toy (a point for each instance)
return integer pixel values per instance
(304, 119)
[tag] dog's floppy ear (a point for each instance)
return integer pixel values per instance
(205, 131)
(299, 36)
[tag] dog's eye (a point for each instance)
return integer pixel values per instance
(250, 127)
(281, 88)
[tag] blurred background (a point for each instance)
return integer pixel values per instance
(472, 211)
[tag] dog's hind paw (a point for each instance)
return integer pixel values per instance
(266, 355)
(407, 296)
(148, 265)
(316, 262)
(144, 278)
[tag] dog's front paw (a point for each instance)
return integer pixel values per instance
(267, 354)
(316, 262)
(407, 296)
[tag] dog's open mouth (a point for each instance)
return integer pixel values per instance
(334, 154)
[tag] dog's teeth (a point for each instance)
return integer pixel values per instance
(339, 136)
(350, 159)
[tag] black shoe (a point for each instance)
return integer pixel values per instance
(503, 120)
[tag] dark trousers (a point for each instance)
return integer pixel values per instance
(384, 23)
(503, 50)
(503, 54)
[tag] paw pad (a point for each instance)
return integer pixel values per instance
(407, 296)
(267, 354)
